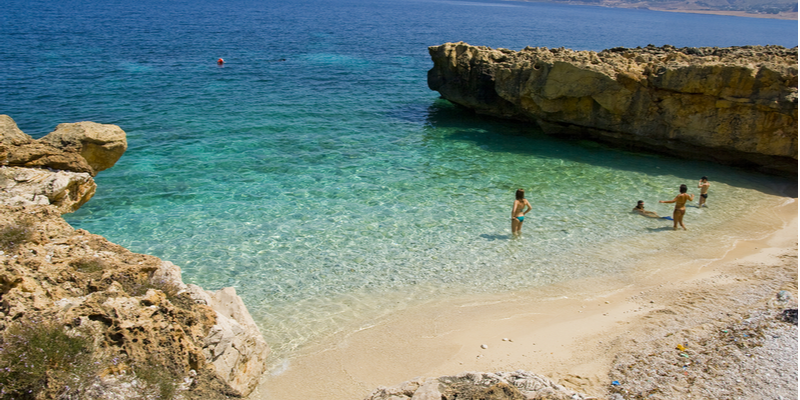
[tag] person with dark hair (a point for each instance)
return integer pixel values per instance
(680, 207)
(518, 211)
(703, 185)
(640, 209)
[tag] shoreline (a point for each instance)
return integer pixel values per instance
(786, 16)
(789, 16)
(573, 340)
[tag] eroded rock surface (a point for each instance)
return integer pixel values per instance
(140, 314)
(517, 385)
(78, 147)
(65, 190)
(101, 145)
(734, 105)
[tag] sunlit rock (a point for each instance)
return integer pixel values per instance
(731, 105)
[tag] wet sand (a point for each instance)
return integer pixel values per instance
(574, 333)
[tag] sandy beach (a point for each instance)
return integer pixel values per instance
(583, 334)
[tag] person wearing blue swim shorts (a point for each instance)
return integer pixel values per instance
(518, 211)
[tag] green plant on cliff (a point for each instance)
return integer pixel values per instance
(12, 235)
(89, 265)
(157, 378)
(39, 359)
(139, 287)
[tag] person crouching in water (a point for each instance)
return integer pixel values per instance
(640, 209)
(518, 211)
(680, 207)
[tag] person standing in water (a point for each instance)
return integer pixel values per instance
(680, 207)
(518, 211)
(703, 185)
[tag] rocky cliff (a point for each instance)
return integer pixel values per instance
(81, 317)
(733, 105)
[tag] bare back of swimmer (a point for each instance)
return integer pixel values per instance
(680, 207)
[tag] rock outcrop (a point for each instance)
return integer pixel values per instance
(101, 145)
(78, 147)
(65, 190)
(150, 331)
(517, 385)
(734, 105)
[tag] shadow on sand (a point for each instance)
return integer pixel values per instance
(661, 229)
(495, 237)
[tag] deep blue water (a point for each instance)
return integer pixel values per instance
(316, 170)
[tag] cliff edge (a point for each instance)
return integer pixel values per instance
(734, 105)
(81, 317)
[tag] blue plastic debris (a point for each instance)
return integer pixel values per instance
(615, 383)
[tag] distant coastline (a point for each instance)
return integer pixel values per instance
(677, 6)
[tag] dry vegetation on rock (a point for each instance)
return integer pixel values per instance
(84, 318)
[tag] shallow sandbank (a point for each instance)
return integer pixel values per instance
(572, 333)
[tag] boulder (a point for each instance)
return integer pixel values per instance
(733, 105)
(20, 150)
(100, 144)
(234, 345)
(78, 147)
(10, 134)
(65, 190)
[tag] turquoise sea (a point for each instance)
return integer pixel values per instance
(317, 174)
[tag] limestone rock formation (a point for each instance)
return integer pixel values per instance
(79, 147)
(234, 344)
(149, 328)
(65, 190)
(135, 306)
(734, 105)
(517, 385)
(100, 144)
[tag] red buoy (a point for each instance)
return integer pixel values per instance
(220, 61)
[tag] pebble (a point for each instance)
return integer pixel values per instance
(483, 346)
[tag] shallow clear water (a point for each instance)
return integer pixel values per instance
(317, 174)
